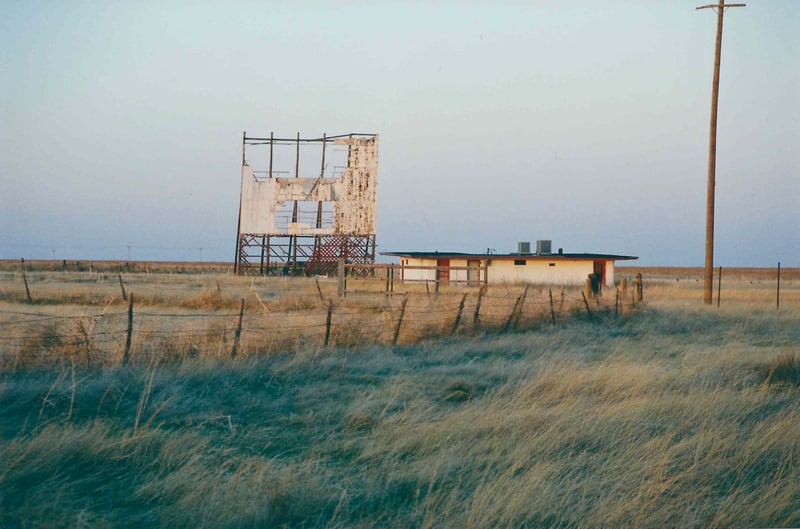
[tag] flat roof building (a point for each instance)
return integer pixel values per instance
(542, 267)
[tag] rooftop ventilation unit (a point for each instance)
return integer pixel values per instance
(524, 248)
(543, 247)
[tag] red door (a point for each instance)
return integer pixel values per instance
(599, 275)
(443, 275)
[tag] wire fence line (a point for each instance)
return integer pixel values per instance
(146, 332)
(80, 315)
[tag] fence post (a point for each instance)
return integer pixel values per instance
(518, 315)
(719, 285)
(639, 287)
(399, 321)
(238, 335)
(27, 290)
(586, 302)
(122, 286)
(129, 333)
(513, 318)
(319, 289)
(458, 315)
(476, 316)
(587, 289)
(778, 295)
(623, 287)
(616, 304)
(552, 308)
(328, 322)
(521, 303)
(340, 284)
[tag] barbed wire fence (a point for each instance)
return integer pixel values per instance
(273, 316)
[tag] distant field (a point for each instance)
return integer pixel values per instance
(72, 265)
(697, 272)
(651, 414)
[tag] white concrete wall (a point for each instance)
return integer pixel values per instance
(418, 275)
(609, 273)
(540, 272)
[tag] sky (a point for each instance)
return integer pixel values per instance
(582, 122)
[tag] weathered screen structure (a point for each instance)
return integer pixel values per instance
(306, 203)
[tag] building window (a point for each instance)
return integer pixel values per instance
(552, 264)
(520, 262)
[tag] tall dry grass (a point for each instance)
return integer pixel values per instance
(667, 418)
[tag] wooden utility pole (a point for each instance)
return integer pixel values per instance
(712, 154)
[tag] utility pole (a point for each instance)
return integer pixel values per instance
(712, 155)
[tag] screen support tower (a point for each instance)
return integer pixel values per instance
(306, 203)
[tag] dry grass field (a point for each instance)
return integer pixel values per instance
(82, 313)
(660, 413)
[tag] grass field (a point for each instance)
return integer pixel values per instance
(668, 413)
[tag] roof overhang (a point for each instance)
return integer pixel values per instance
(531, 256)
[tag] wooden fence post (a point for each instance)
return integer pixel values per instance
(639, 287)
(340, 284)
(129, 333)
(238, 335)
(616, 304)
(719, 285)
(778, 295)
(476, 316)
(518, 315)
(513, 318)
(328, 322)
(623, 287)
(122, 286)
(399, 321)
(27, 290)
(458, 315)
(552, 308)
(507, 326)
(586, 302)
(587, 289)
(319, 289)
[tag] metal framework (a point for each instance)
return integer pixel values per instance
(303, 225)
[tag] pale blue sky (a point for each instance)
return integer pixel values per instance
(583, 122)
